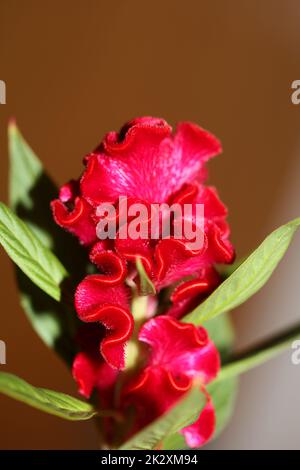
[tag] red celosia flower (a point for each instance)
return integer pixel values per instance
(144, 162)
(179, 353)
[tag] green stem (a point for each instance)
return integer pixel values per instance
(133, 348)
(259, 354)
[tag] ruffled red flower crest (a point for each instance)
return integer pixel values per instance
(145, 163)
(94, 302)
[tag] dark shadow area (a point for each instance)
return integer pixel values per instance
(72, 255)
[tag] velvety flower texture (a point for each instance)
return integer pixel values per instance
(148, 164)
(143, 162)
(179, 353)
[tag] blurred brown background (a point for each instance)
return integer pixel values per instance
(76, 69)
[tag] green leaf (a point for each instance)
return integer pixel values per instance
(54, 322)
(248, 278)
(25, 169)
(52, 402)
(226, 270)
(175, 442)
(258, 354)
(31, 190)
(181, 415)
(221, 332)
(27, 251)
(146, 285)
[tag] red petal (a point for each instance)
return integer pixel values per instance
(213, 207)
(196, 146)
(220, 249)
(78, 221)
(190, 289)
(144, 161)
(84, 371)
(69, 191)
(125, 163)
(178, 354)
(111, 266)
(89, 368)
(90, 373)
(175, 260)
(180, 348)
(198, 433)
(95, 303)
(188, 295)
(106, 377)
(152, 393)
(134, 249)
(186, 195)
(155, 391)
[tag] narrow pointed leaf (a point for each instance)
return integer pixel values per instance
(52, 402)
(30, 191)
(226, 270)
(248, 278)
(29, 254)
(221, 332)
(25, 169)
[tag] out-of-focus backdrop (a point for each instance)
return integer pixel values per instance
(76, 69)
